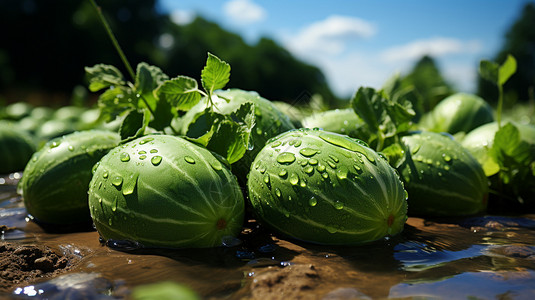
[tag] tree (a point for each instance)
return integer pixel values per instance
(520, 42)
(428, 82)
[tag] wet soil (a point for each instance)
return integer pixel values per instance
(24, 263)
(480, 257)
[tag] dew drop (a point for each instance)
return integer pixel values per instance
(415, 149)
(110, 222)
(303, 183)
(308, 152)
(286, 158)
(54, 144)
(146, 140)
(342, 173)
(216, 165)
(333, 158)
(276, 144)
(308, 169)
(189, 159)
(117, 180)
(338, 205)
(294, 180)
(331, 164)
(124, 156)
(312, 201)
(156, 160)
(446, 157)
(325, 175)
(153, 150)
(105, 174)
(142, 152)
(71, 148)
(266, 178)
(313, 161)
(297, 143)
(331, 229)
(262, 169)
(258, 131)
(320, 168)
(278, 192)
(283, 173)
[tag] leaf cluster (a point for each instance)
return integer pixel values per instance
(153, 100)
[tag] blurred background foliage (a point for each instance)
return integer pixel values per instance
(45, 46)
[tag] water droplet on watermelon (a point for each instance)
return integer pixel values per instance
(156, 160)
(338, 205)
(313, 161)
(312, 201)
(446, 157)
(320, 168)
(117, 180)
(308, 169)
(303, 183)
(294, 180)
(71, 148)
(130, 184)
(325, 175)
(308, 152)
(331, 229)
(216, 165)
(142, 152)
(283, 173)
(105, 174)
(258, 131)
(266, 178)
(189, 159)
(124, 156)
(262, 169)
(146, 140)
(276, 144)
(278, 192)
(331, 164)
(54, 144)
(142, 157)
(286, 158)
(153, 150)
(342, 173)
(110, 222)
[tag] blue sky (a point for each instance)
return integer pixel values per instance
(363, 43)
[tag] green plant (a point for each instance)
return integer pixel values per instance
(164, 191)
(55, 181)
(326, 188)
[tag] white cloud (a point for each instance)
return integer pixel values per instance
(435, 47)
(244, 11)
(182, 17)
(330, 36)
(462, 76)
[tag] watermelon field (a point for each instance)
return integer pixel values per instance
(184, 188)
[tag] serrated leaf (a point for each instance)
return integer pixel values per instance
(508, 148)
(366, 105)
(133, 125)
(506, 70)
(489, 70)
(115, 101)
(215, 75)
(181, 92)
(148, 78)
(103, 76)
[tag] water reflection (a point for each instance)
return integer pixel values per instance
(479, 257)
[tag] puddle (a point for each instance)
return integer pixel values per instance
(488, 257)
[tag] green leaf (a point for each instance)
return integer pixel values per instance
(489, 71)
(181, 92)
(215, 74)
(102, 76)
(115, 101)
(133, 125)
(148, 78)
(508, 149)
(395, 153)
(506, 70)
(366, 104)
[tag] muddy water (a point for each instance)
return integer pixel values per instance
(484, 257)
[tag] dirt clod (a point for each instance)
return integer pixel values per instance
(20, 263)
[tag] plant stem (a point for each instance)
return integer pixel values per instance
(500, 106)
(113, 39)
(119, 50)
